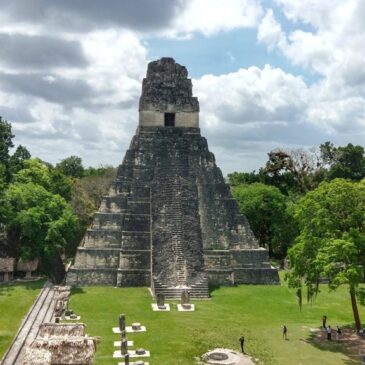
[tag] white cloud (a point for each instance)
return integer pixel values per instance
(213, 16)
(334, 48)
(270, 32)
(244, 114)
(251, 96)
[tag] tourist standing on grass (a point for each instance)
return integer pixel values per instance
(329, 333)
(285, 330)
(242, 343)
(324, 320)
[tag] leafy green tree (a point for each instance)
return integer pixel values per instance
(37, 172)
(331, 242)
(34, 171)
(6, 141)
(2, 178)
(16, 161)
(60, 184)
(266, 209)
(347, 162)
(40, 223)
(86, 197)
(71, 166)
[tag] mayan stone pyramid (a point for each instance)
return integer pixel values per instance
(169, 221)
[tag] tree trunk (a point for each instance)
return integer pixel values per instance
(354, 308)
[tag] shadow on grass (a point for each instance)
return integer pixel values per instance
(346, 345)
(213, 287)
(77, 290)
(7, 288)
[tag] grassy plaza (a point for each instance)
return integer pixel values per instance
(15, 300)
(257, 312)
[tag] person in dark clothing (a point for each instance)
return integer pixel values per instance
(242, 343)
(285, 331)
(324, 320)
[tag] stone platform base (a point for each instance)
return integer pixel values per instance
(180, 308)
(155, 308)
(131, 353)
(129, 329)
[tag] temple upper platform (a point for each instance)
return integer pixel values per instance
(167, 99)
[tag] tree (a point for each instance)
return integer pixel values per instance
(266, 209)
(60, 184)
(16, 161)
(299, 164)
(39, 223)
(71, 166)
(347, 162)
(331, 242)
(34, 171)
(6, 141)
(87, 194)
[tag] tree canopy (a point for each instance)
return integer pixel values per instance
(71, 166)
(266, 208)
(331, 242)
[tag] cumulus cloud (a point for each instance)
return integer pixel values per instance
(213, 16)
(333, 48)
(71, 72)
(48, 87)
(87, 15)
(37, 52)
(251, 96)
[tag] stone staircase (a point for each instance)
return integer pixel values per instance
(175, 172)
(198, 290)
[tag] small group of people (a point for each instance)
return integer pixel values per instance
(328, 329)
(284, 329)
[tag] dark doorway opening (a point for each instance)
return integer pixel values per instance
(169, 119)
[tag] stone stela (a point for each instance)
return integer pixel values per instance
(122, 323)
(160, 301)
(169, 221)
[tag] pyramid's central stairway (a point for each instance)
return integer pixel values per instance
(169, 220)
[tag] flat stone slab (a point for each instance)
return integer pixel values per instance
(155, 308)
(226, 357)
(131, 353)
(68, 318)
(129, 329)
(180, 308)
(119, 343)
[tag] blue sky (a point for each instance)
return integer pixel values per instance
(222, 53)
(268, 74)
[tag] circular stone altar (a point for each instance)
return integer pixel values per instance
(226, 357)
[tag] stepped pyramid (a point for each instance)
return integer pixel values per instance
(169, 221)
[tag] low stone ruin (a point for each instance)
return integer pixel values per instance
(27, 266)
(64, 344)
(9, 266)
(6, 268)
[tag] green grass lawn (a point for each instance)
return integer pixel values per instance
(15, 301)
(257, 312)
